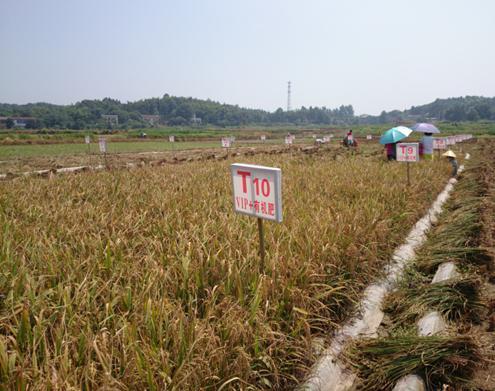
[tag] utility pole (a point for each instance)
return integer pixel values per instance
(288, 97)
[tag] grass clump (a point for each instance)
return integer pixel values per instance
(380, 363)
(456, 236)
(456, 299)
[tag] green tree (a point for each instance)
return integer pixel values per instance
(472, 114)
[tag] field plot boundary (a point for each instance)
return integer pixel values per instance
(329, 374)
(175, 160)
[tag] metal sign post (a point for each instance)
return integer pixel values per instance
(262, 243)
(257, 192)
(171, 139)
(289, 140)
(226, 143)
(407, 152)
(439, 144)
(102, 143)
(87, 140)
(408, 174)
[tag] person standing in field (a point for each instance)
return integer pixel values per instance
(426, 146)
(391, 150)
(453, 161)
(349, 140)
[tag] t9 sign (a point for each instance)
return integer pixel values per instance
(257, 191)
(408, 152)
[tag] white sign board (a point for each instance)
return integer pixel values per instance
(369, 137)
(450, 140)
(226, 142)
(407, 152)
(102, 142)
(289, 140)
(257, 191)
(458, 139)
(263, 137)
(171, 139)
(439, 143)
(87, 139)
(326, 139)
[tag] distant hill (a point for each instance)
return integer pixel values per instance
(468, 108)
(168, 110)
(180, 111)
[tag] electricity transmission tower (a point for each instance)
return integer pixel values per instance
(288, 97)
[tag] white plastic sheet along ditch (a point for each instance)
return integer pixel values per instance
(329, 373)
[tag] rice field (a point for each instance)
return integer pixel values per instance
(459, 354)
(146, 279)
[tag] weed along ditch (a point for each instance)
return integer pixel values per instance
(181, 273)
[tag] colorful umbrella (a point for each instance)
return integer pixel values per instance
(395, 134)
(425, 128)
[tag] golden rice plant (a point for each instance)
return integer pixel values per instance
(146, 279)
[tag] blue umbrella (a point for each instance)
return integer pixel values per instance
(395, 134)
(425, 128)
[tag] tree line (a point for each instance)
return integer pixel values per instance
(180, 111)
(468, 108)
(172, 111)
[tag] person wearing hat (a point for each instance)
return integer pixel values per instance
(452, 159)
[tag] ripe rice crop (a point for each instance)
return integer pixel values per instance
(147, 279)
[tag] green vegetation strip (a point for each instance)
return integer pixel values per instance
(454, 299)
(382, 362)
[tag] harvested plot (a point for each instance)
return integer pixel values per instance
(147, 279)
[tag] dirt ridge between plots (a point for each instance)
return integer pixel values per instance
(180, 157)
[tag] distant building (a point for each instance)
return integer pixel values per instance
(110, 119)
(17, 122)
(153, 120)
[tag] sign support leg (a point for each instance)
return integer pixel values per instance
(408, 174)
(262, 244)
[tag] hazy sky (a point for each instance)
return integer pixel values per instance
(373, 54)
